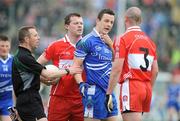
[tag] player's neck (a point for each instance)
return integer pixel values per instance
(24, 45)
(73, 39)
(4, 57)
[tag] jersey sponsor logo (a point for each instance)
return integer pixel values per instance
(102, 57)
(101, 53)
(65, 63)
(5, 75)
(106, 50)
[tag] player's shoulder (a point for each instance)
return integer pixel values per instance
(131, 31)
(148, 38)
(86, 39)
(58, 42)
(10, 55)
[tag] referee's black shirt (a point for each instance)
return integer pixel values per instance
(25, 72)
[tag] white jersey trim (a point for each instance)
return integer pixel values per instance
(125, 95)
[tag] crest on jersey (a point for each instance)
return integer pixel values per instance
(98, 48)
(5, 67)
(125, 98)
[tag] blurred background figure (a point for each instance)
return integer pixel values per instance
(173, 93)
(6, 95)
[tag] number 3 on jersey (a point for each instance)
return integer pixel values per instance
(146, 52)
(142, 61)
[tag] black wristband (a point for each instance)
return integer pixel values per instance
(67, 70)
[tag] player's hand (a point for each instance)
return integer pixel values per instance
(49, 81)
(53, 81)
(107, 39)
(44, 80)
(13, 113)
(109, 102)
(83, 87)
(109, 42)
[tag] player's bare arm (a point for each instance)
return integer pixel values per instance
(154, 72)
(78, 63)
(42, 59)
(115, 73)
(51, 75)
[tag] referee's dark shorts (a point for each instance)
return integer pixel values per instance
(29, 106)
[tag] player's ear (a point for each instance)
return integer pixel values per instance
(97, 21)
(125, 19)
(66, 26)
(26, 39)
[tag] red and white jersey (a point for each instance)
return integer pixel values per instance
(61, 53)
(138, 51)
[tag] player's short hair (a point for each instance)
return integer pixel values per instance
(105, 11)
(4, 38)
(134, 14)
(67, 18)
(24, 32)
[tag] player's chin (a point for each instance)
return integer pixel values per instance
(79, 33)
(4, 55)
(37, 45)
(105, 31)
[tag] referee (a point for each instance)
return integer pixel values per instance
(26, 73)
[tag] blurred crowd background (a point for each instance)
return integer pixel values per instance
(161, 21)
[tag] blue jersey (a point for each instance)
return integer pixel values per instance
(174, 96)
(173, 92)
(97, 59)
(6, 78)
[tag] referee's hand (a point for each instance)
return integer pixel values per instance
(13, 113)
(109, 103)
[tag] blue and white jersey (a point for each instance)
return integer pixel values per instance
(173, 92)
(97, 58)
(6, 77)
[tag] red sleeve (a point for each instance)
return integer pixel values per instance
(122, 48)
(119, 47)
(49, 51)
(155, 51)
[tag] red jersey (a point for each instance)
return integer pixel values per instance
(61, 52)
(139, 52)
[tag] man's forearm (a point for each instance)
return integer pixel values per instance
(154, 72)
(78, 78)
(112, 82)
(14, 98)
(115, 74)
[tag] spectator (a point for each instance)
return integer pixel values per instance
(6, 88)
